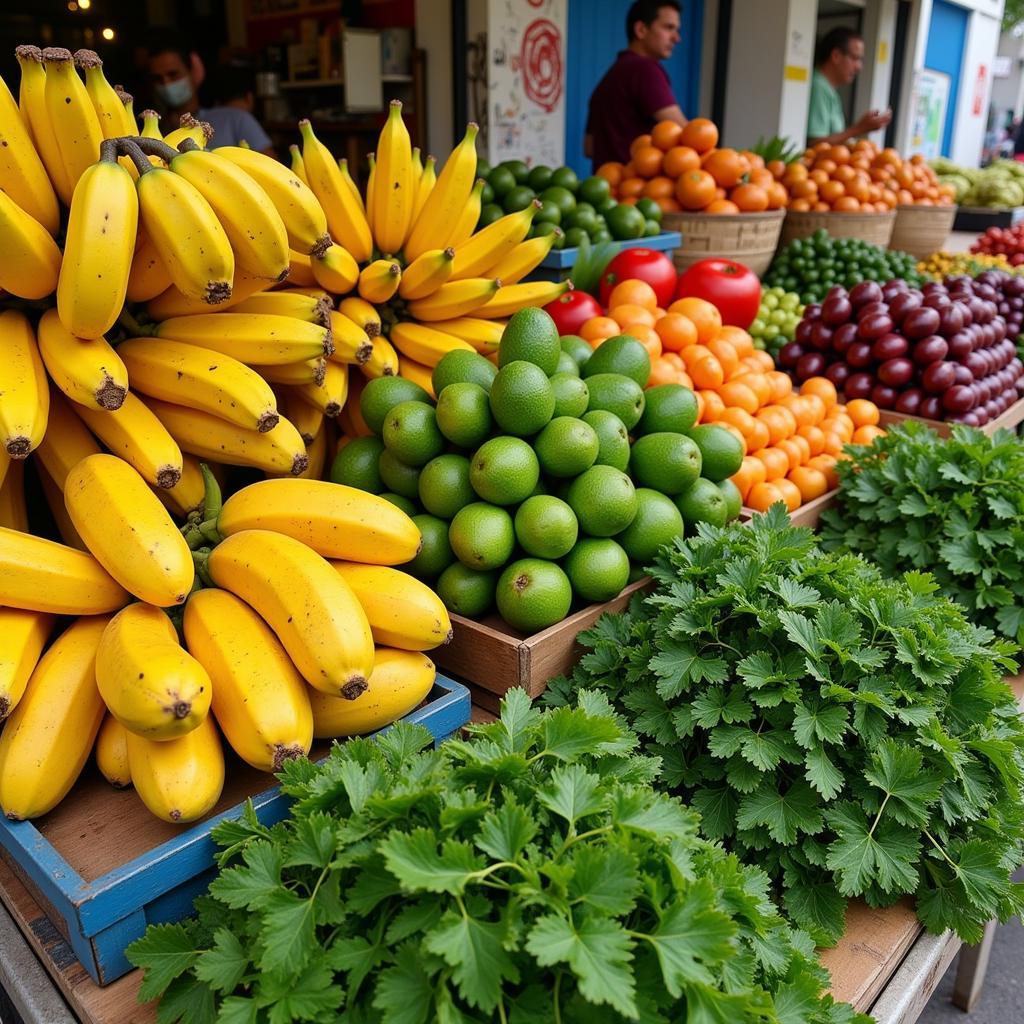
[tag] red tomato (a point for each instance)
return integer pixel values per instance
(732, 287)
(643, 265)
(572, 310)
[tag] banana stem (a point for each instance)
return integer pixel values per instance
(200, 558)
(108, 151)
(132, 326)
(132, 148)
(212, 499)
(153, 147)
(187, 145)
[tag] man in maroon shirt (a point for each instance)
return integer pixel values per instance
(635, 93)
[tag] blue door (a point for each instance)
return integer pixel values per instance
(597, 32)
(947, 38)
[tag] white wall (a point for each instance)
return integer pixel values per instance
(971, 117)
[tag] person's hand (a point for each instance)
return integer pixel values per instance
(872, 121)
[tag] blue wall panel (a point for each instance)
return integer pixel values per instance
(947, 39)
(596, 34)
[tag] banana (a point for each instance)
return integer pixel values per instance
(66, 442)
(308, 371)
(24, 391)
(43, 576)
(362, 313)
(331, 394)
(410, 369)
(131, 534)
(514, 297)
(300, 269)
(526, 256)
(21, 170)
(423, 344)
(148, 275)
(400, 682)
(75, 124)
(129, 105)
(55, 499)
(189, 493)
(313, 291)
(454, 299)
(151, 130)
(383, 361)
(483, 335)
(335, 270)
(424, 186)
(491, 245)
(351, 419)
(345, 218)
(260, 701)
(112, 753)
(148, 681)
(49, 737)
(199, 378)
(350, 184)
(172, 302)
(379, 281)
(264, 338)
(402, 611)
(89, 372)
(32, 103)
(316, 452)
(199, 132)
(446, 200)
(306, 418)
(30, 266)
(113, 116)
(250, 220)
(298, 167)
(279, 450)
(394, 189)
(426, 273)
(295, 201)
(466, 222)
(310, 608)
(311, 308)
(371, 188)
(352, 345)
(25, 634)
(13, 510)
(5, 465)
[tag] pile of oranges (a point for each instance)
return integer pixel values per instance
(682, 168)
(792, 440)
(859, 179)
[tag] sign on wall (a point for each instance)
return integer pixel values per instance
(526, 81)
(931, 98)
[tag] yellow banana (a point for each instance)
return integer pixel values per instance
(13, 510)
(24, 391)
(151, 129)
(5, 465)
(199, 378)
(178, 780)
(400, 682)
(417, 373)
(383, 361)
(446, 200)
(426, 273)
(172, 302)
(335, 270)
(308, 371)
(279, 450)
(345, 218)
(402, 611)
(350, 184)
(371, 188)
(250, 220)
(423, 344)
(491, 245)
(199, 132)
(25, 634)
(114, 118)
(112, 753)
(148, 681)
(300, 269)
(379, 281)
(75, 124)
(128, 100)
(514, 297)
(310, 608)
(298, 167)
(313, 291)
(306, 418)
(264, 338)
(330, 395)
(483, 335)
(131, 534)
(394, 195)
(49, 737)
(148, 276)
(316, 452)
(43, 576)
(424, 186)
(299, 208)
(351, 343)
(55, 499)
(189, 493)
(21, 170)
(362, 313)
(31, 260)
(454, 299)
(32, 103)
(466, 222)
(525, 257)
(66, 442)
(260, 701)
(89, 372)
(300, 305)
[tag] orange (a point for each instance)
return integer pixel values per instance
(629, 313)
(781, 423)
(762, 359)
(777, 196)
(598, 328)
(827, 464)
(799, 205)
(839, 423)
(776, 462)
(691, 354)
(738, 418)
(669, 205)
(701, 406)
(819, 177)
(647, 160)
(833, 444)
(673, 359)
(778, 168)
(704, 315)
(738, 338)
(846, 204)
(750, 198)
(867, 434)
(707, 373)
(665, 134)
(830, 191)
(744, 479)
(713, 405)
(637, 143)
(647, 337)
(726, 355)
(676, 331)
(695, 190)
(812, 482)
(762, 496)
(862, 412)
(823, 388)
(759, 384)
(680, 159)
(633, 292)
(761, 177)
(760, 437)
(794, 173)
(793, 452)
(815, 438)
(611, 172)
(815, 409)
(660, 188)
(699, 134)
(735, 393)
(725, 166)
(782, 384)
(630, 188)
(662, 372)
(790, 494)
(721, 206)
(734, 431)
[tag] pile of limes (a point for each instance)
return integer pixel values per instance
(776, 319)
(549, 478)
(582, 209)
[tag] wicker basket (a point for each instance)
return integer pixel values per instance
(868, 227)
(747, 238)
(922, 230)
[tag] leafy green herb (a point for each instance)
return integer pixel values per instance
(528, 874)
(849, 734)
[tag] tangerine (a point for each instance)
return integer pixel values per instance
(725, 166)
(761, 497)
(680, 159)
(863, 412)
(665, 134)
(633, 292)
(598, 329)
(750, 198)
(695, 190)
(790, 494)
(812, 482)
(647, 160)
(704, 315)
(676, 331)
(637, 143)
(721, 206)
(700, 134)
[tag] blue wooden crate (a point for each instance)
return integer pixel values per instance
(101, 917)
(558, 263)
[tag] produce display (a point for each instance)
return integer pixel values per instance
(946, 264)
(777, 317)
(943, 351)
(847, 731)
(998, 186)
(1005, 242)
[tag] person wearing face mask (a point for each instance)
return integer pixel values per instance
(175, 73)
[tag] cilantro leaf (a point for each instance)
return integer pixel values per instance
(223, 966)
(475, 949)
(414, 860)
(165, 952)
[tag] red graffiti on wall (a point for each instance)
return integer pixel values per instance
(540, 63)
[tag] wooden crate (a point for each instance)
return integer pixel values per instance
(1008, 420)
(103, 868)
(493, 657)
(805, 515)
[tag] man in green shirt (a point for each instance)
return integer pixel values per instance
(838, 60)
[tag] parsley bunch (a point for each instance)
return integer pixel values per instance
(851, 735)
(529, 874)
(951, 506)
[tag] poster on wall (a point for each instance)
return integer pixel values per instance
(931, 98)
(526, 81)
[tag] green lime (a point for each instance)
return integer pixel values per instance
(733, 498)
(625, 222)
(574, 238)
(482, 536)
(604, 501)
(658, 522)
(670, 407)
(616, 393)
(582, 217)
(518, 199)
(435, 554)
(465, 591)
(576, 347)
(462, 367)
(605, 206)
(408, 507)
(398, 477)
(488, 215)
(600, 236)
(598, 569)
(571, 395)
(539, 177)
(533, 594)
(667, 462)
(464, 414)
(520, 171)
(522, 400)
(594, 189)
(561, 197)
(356, 464)
(444, 485)
(703, 502)
(411, 433)
(651, 228)
(382, 394)
(504, 471)
(483, 168)
(612, 437)
(546, 526)
(648, 207)
(486, 194)
(531, 335)
(502, 180)
(565, 177)
(566, 365)
(720, 449)
(620, 354)
(566, 447)
(547, 214)
(546, 228)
